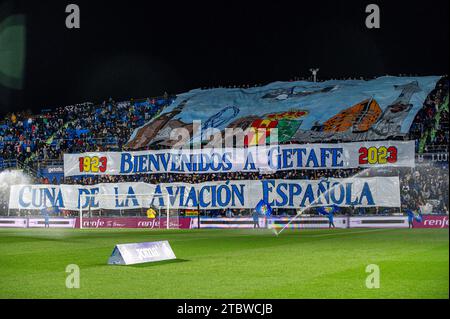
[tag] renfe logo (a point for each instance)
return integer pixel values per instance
(441, 223)
(93, 223)
(430, 221)
(133, 222)
(151, 223)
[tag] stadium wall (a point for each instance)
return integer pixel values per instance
(137, 222)
(429, 221)
(432, 221)
(36, 222)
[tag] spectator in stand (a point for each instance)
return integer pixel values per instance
(107, 127)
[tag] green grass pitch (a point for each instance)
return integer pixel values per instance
(228, 264)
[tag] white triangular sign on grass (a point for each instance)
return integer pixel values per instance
(136, 253)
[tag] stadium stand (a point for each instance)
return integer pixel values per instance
(36, 143)
(41, 138)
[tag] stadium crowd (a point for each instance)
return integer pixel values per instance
(108, 126)
(52, 133)
(32, 139)
(426, 183)
(430, 127)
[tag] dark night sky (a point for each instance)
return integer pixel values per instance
(142, 48)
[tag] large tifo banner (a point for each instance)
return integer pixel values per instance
(358, 192)
(301, 111)
(252, 159)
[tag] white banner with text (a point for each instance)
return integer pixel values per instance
(357, 192)
(251, 159)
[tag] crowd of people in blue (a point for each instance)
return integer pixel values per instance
(31, 139)
(74, 128)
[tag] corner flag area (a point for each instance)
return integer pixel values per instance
(225, 263)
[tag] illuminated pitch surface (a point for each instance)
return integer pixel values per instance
(228, 264)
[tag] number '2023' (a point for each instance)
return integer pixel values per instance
(377, 155)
